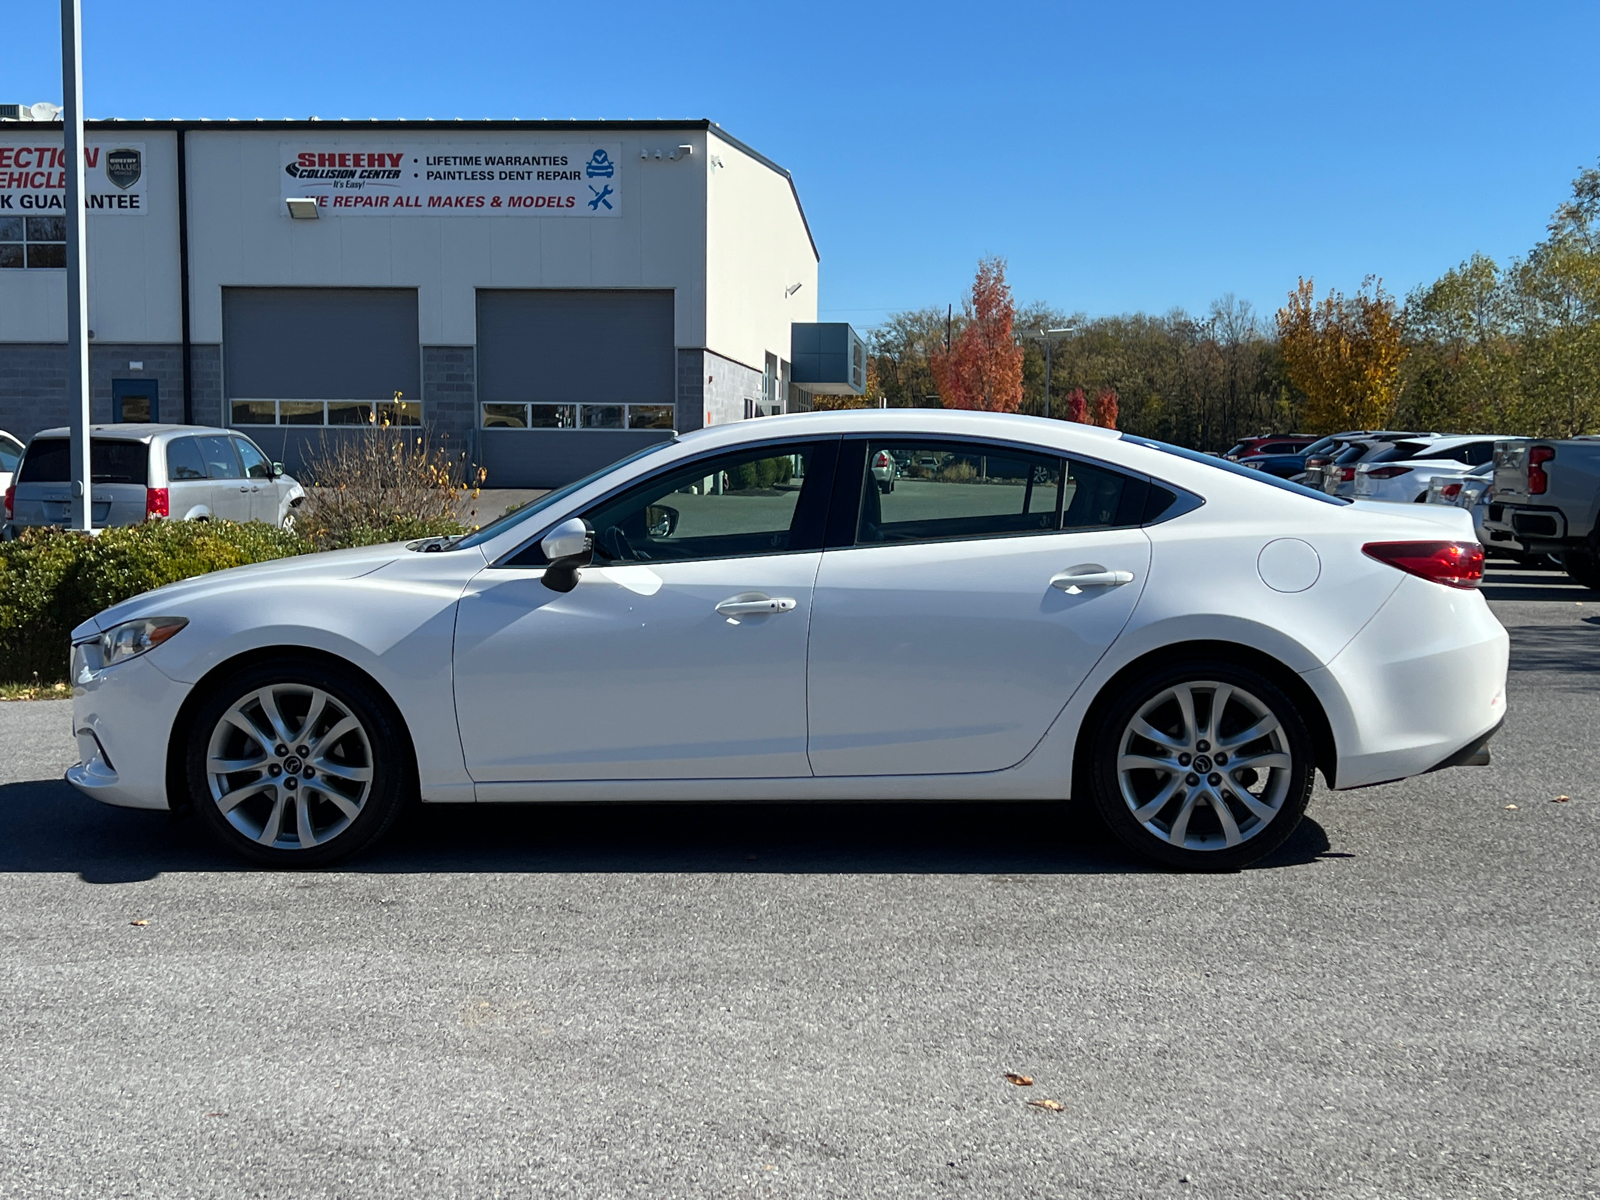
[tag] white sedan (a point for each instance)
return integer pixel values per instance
(1068, 610)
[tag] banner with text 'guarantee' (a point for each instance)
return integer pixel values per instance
(377, 177)
(33, 176)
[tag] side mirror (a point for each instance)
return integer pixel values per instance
(661, 520)
(277, 470)
(568, 546)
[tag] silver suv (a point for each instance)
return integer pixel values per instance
(145, 472)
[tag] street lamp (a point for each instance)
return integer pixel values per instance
(1048, 337)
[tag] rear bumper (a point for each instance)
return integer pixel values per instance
(1423, 680)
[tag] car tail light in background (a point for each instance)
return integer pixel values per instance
(1346, 474)
(882, 460)
(1454, 564)
(11, 501)
(1538, 481)
(155, 503)
(1450, 490)
(1390, 472)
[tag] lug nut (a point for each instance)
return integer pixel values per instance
(1184, 760)
(1214, 779)
(291, 783)
(1192, 780)
(301, 751)
(281, 751)
(310, 772)
(1220, 759)
(274, 770)
(1202, 746)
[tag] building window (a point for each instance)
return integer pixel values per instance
(539, 415)
(327, 412)
(33, 242)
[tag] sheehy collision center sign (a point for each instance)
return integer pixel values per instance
(379, 178)
(33, 176)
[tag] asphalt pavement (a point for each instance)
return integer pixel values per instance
(795, 1001)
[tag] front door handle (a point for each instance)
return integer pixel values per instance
(754, 604)
(1074, 579)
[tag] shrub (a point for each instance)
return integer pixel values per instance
(385, 483)
(52, 580)
(960, 471)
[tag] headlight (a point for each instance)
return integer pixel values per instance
(133, 638)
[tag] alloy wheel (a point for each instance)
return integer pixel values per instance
(289, 766)
(1204, 765)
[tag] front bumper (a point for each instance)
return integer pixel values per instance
(123, 718)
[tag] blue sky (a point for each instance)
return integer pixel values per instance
(1130, 156)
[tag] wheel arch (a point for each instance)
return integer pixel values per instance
(177, 784)
(1280, 673)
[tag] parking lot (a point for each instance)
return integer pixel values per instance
(793, 1000)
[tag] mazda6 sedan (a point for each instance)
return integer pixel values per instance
(1042, 610)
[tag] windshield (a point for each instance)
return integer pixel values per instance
(1233, 468)
(504, 522)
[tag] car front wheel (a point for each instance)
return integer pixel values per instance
(296, 764)
(1205, 766)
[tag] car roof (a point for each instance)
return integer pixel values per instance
(133, 431)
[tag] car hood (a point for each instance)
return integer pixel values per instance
(168, 600)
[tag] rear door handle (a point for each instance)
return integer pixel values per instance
(747, 604)
(1074, 579)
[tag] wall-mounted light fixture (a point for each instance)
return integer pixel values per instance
(680, 152)
(302, 208)
(792, 289)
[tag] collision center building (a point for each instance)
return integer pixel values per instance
(548, 295)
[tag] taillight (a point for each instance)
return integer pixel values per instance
(882, 460)
(155, 503)
(11, 501)
(1450, 491)
(1388, 472)
(1454, 564)
(1346, 474)
(1538, 481)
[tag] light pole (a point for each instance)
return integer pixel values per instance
(1048, 337)
(77, 267)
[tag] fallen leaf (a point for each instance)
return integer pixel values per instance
(1048, 1105)
(139, 922)
(1019, 1080)
(1562, 800)
(1511, 806)
(216, 1114)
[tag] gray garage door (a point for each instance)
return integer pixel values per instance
(299, 360)
(570, 380)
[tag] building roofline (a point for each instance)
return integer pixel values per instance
(540, 125)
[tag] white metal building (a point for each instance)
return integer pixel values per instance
(549, 295)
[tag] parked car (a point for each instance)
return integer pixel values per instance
(145, 472)
(1547, 498)
(1402, 472)
(1269, 444)
(1339, 476)
(884, 471)
(1471, 490)
(1320, 455)
(1184, 642)
(1284, 466)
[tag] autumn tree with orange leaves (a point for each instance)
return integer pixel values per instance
(1105, 407)
(982, 369)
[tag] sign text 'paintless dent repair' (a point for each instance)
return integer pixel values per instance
(33, 176)
(380, 178)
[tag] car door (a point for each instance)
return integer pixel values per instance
(258, 474)
(681, 654)
(189, 487)
(230, 491)
(947, 631)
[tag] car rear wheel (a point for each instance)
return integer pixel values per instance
(1203, 765)
(296, 764)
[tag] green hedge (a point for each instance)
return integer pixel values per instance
(52, 580)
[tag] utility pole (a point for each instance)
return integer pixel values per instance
(1048, 337)
(77, 266)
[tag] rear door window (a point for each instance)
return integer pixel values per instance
(49, 460)
(221, 461)
(10, 454)
(184, 462)
(954, 490)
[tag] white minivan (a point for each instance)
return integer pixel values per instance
(144, 472)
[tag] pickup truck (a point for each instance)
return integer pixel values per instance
(1546, 497)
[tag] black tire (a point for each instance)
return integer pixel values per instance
(1582, 565)
(1284, 789)
(377, 746)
